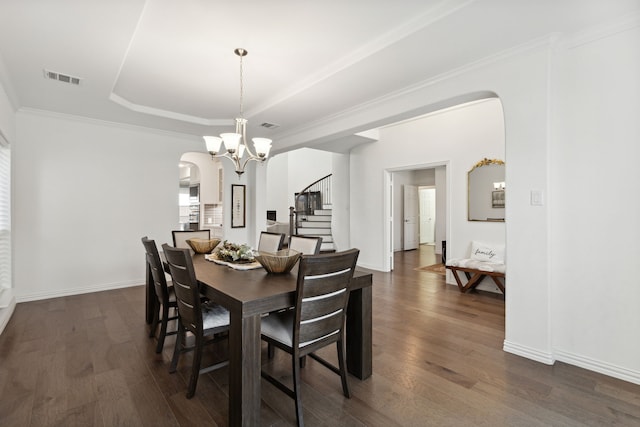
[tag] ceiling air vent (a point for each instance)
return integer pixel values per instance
(64, 78)
(269, 125)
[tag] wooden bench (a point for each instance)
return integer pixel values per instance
(486, 261)
(475, 276)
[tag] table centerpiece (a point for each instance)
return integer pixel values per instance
(234, 255)
(233, 252)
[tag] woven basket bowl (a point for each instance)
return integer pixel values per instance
(203, 246)
(278, 262)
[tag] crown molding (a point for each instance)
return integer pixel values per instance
(598, 32)
(545, 42)
(107, 123)
(123, 102)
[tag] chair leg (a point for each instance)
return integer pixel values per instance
(180, 339)
(343, 369)
(296, 389)
(154, 322)
(163, 328)
(270, 350)
(195, 368)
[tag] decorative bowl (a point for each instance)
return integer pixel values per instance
(203, 246)
(278, 262)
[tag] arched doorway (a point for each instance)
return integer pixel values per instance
(201, 193)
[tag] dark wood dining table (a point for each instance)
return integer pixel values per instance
(249, 294)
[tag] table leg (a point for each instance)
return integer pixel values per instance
(359, 333)
(244, 370)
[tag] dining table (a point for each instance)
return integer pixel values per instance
(251, 294)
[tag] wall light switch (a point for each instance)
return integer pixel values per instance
(537, 198)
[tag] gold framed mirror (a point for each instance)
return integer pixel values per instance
(486, 191)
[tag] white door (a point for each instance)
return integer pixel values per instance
(411, 237)
(427, 215)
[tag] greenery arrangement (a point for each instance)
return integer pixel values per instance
(233, 252)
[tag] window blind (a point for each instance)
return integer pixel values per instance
(5, 213)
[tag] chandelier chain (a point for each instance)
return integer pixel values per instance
(241, 88)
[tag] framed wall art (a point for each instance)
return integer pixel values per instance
(238, 200)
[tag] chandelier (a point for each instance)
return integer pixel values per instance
(235, 143)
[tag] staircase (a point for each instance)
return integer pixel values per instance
(318, 224)
(311, 215)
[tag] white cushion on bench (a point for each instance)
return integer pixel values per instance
(487, 252)
(474, 264)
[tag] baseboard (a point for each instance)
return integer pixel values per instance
(529, 353)
(35, 296)
(369, 266)
(598, 366)
(604, 368)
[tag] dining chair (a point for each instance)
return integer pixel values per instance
(206, 321)
(306, 245)
(180, 237)
(270, 242)
(317, 319)
(165, 296)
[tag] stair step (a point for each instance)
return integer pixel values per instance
(314, 224)
(322, 212)
(319, 231)
(327, 247)
(326, 235)
(312, 218)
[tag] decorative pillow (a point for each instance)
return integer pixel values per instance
(487, 252)
(203, 246)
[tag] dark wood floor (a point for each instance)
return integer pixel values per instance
(86, 360)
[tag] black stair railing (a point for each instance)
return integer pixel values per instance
(313, 197)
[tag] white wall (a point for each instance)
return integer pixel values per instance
(85, 193)
(594, 204)
(341, 190)
(277, 197)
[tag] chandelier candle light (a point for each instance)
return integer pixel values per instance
(236, 143)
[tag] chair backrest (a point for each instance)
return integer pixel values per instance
(306, 245)
(270, 242)
(157, 272)
(180, 237)
(321, 298)
(185, 286)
